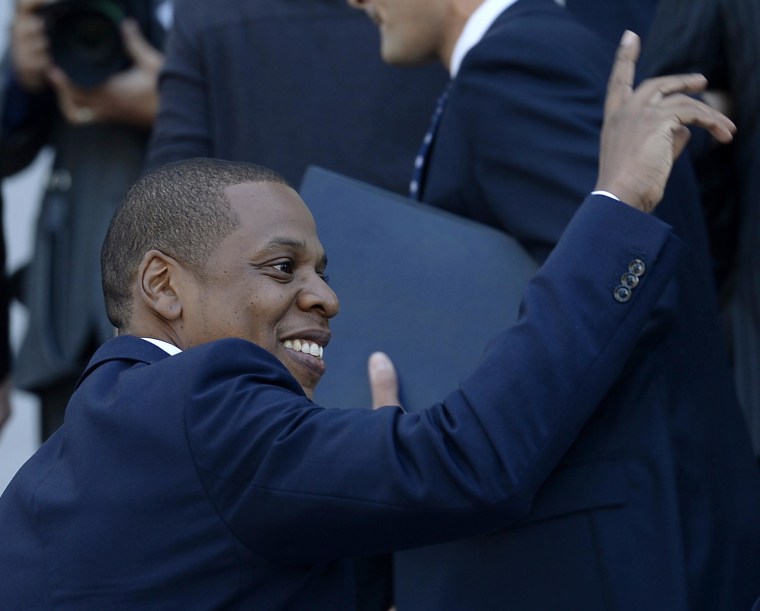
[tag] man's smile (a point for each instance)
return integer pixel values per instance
(305, 346)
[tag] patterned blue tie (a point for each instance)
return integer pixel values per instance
(420, 162)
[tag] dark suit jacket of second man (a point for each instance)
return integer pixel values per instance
(656, 504)
(288, 83)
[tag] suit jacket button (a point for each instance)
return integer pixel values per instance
(622, 293)
(637, 267)
(630, 280)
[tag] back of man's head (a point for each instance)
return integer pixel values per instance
(179, 209)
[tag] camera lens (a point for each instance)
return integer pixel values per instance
(91, 39)
(86, 40)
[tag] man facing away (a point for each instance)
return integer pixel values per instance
(659, 492)
(194, 471)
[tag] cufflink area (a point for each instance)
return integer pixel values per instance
(629, 281)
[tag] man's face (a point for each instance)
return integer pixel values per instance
(412, 31)
(265, 283)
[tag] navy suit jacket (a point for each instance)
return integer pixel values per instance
(207, 480)
(609, 18)
(655, 506)
(286, 84)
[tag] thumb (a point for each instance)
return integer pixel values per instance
(383, 380)
(137, 46)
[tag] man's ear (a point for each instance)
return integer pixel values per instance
(157, 282)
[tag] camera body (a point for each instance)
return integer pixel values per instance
(85, 37)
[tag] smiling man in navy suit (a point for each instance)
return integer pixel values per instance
(193, 471)
(655, 505)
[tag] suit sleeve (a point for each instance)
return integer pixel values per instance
(182, 128)
(299, 483)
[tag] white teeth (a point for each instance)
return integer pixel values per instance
(298, 345)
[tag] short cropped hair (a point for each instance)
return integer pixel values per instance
(179, 209)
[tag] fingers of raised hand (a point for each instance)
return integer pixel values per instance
(661, 87)
(683, 110)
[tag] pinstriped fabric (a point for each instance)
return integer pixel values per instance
(720, 38)
(742, 23)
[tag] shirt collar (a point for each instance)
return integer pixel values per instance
(170, 349)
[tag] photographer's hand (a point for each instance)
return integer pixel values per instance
(30, 53)
(129, 97)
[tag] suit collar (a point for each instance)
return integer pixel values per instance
(123, 348)
(475, 28)
(477, 25)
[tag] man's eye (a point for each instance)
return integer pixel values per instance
(286, 267)
(324, 277)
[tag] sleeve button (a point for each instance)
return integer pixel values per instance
(630, 280)
(637, 267)
(622, 294)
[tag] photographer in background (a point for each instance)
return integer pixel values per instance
(63, 89)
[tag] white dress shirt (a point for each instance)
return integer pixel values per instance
(170, 349)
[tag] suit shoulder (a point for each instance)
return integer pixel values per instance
(225, 360)
(541, 36)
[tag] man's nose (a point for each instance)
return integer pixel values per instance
(319, 296)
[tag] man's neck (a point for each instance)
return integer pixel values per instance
(460, 12)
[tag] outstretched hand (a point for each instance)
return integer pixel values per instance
(645, 130)
(383, 380)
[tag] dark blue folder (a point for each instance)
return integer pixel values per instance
(427, 287)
